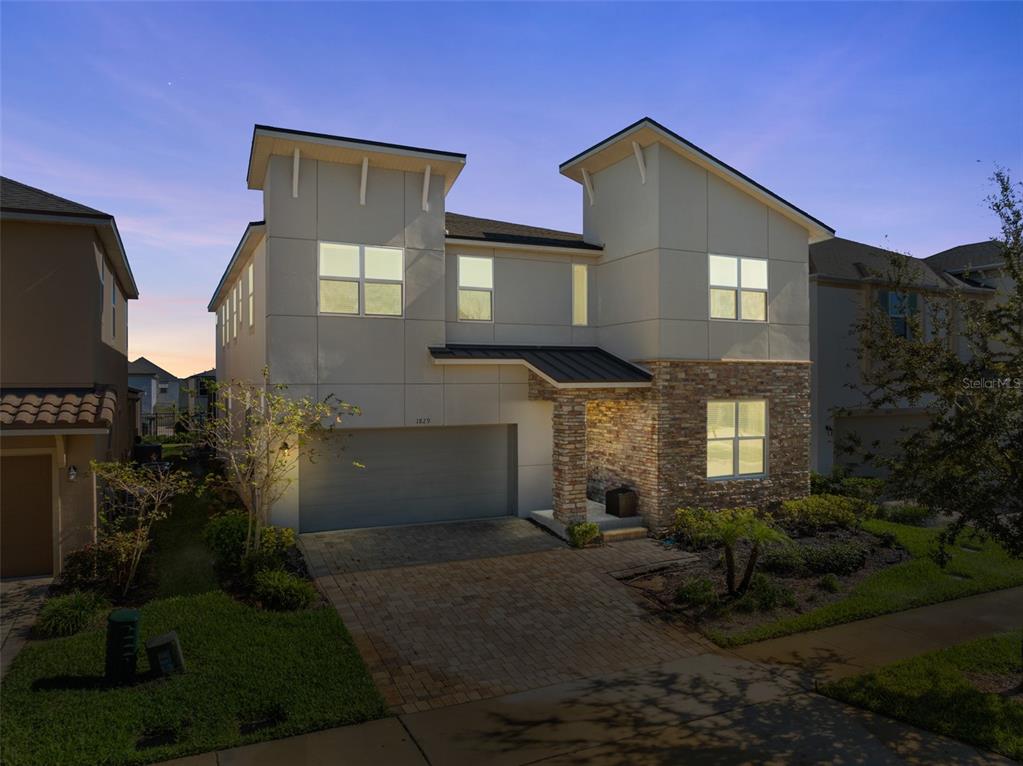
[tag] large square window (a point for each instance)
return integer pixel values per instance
(736, 438)
(738, 288)
(362, 280)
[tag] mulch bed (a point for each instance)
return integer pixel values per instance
(659, 586)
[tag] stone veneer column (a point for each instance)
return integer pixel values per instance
(569, 457)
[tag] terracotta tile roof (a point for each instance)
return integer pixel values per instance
(58, 408)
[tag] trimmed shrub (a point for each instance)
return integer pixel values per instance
(66, 615)
(862, 488)
(765, 595)
(829, 583)
(697, 594)
(693, 528)
(225, 536)
(103, 566)
(814, 513)
(841, 558)
(280, 591)
(906, 513)
(582, 534)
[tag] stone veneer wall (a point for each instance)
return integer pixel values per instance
(655, 440)
(681, 392)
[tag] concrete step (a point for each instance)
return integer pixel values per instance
(624, 533)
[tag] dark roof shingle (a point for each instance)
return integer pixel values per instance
(563, 364)
(847, 259)
(22, 198)
(143, 366)
(486, 230)
(58, 408)
(963, 257)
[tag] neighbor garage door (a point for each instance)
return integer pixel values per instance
(411, 476)
(26, 515)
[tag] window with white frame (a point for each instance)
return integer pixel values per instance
(475, 288)
(252, 295)
(237, 309)
(736, 438)
(364, 280)
(113, 308)
(580, 294)
(222, 316)
(738, 288)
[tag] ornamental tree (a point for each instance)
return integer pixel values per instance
(257, 432)
(962, 360)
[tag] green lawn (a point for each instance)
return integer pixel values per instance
(932, 692)
(916, 582)
(244, 665)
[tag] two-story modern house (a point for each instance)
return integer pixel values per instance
(65, 285)
(509, 369)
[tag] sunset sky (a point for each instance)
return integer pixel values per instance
(883, 120)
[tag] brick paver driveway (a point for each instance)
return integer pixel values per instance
(494, 619)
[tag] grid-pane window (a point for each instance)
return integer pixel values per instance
(580, 294)
(361, 279)
(738, 288)
(237, 309)
(252, 295)
(736, 438)
(899, 307)
(475, 288)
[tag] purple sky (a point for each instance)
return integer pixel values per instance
(883, 120)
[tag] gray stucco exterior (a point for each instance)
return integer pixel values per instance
(647, 294)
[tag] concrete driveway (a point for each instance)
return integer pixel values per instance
(446, 614)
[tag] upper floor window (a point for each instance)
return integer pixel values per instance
(738, 288)
(252, 294)
(163, 387)
(475, 288)
(899, 307)
(361, 279)
(736, 438)
(113, 308)
(222, 316)
(102, 287)
(580, 294)
(236, 301)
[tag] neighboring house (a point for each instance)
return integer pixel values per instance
(198, 394)
(510, 369)
(846, 278)
(163, 398)
(65, 284)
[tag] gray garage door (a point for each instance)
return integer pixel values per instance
(411, 475)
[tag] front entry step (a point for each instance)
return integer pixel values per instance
(625, 533)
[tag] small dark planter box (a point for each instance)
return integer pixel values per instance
(620, 502)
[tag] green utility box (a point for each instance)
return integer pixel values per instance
(122, 644)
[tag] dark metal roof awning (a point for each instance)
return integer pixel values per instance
(564, 366)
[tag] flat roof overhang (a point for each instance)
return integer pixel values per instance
(561, 366)
(268, 141)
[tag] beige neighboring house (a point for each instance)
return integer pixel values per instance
(846, 277)
(507, 369)
(65, 282)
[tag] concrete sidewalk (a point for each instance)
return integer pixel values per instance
(852, 648)
(707, 709)
(752, 705)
